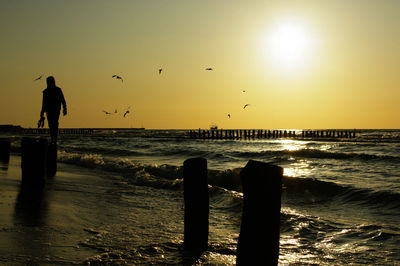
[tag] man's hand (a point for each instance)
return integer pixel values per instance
(65, 111)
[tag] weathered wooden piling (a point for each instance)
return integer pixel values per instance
(51, 160)
(5, 146)
(259, 232)
(33, 160)
(196, 204)
(261, 134)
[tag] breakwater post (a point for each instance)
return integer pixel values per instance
(274, 134)
(196, 204)
(33, 160)
(5, 146)
(259, 232)
(51, 160)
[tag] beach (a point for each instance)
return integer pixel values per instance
(85, 217)
(117, 198)
(52, 225)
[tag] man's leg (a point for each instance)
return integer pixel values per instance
(53, 127)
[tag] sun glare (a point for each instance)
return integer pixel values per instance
(288, 46)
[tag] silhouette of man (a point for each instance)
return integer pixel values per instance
(53, 97)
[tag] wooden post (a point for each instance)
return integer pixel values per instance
(52, 160)
(5, 146)
(33, 160)
(259, 232)
(196, 204)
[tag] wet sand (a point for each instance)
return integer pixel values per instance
(86, 216)
(53, 225)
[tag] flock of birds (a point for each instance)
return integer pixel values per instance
(116, 112)
(127, 111)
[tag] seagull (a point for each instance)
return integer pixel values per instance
(229, 115)
(159, 71)
(127, 111)
(39, 78)
(209, 68)
(107, 113)
(243, 90)
(245, 105)
(118, 77)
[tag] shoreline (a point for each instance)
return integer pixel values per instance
(49, 225)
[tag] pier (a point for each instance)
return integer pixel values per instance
(236, 134)
(61, 131)
(78, 131)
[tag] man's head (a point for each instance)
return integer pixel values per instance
(51, 82)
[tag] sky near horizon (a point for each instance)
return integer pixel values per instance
(302, 64)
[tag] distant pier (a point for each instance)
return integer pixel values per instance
(269, 134)
(79, 131)
(61, 131)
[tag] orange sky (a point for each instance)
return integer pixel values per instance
(303, 64)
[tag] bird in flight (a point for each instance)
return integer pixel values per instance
(127, 111)
(107, 113)
(209, 68)
(159, 71)
(229, 115)
(118, 77)
(39, 78)
(243, 91)
(246, 105)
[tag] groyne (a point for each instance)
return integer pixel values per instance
(61, 131)
(270, 134)
(79, 131)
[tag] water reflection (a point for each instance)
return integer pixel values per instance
(3, 167)
(31, 206)
(291, 145)
(298, 169)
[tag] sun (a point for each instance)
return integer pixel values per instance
(288, 46)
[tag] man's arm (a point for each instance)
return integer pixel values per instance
(64, 104)
(43, 107)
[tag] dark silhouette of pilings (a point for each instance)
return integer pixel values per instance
(51, 164)
(33, 160)
(259, 232)
(268, 134)
(196, 204)
(5, 146)
(61, 131)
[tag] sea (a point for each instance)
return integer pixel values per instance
(340, 200)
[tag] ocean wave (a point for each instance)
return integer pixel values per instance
(315, 153)
(312, 190)
(152, 175)
(101, 150)
(186, 152)
(302, 190)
